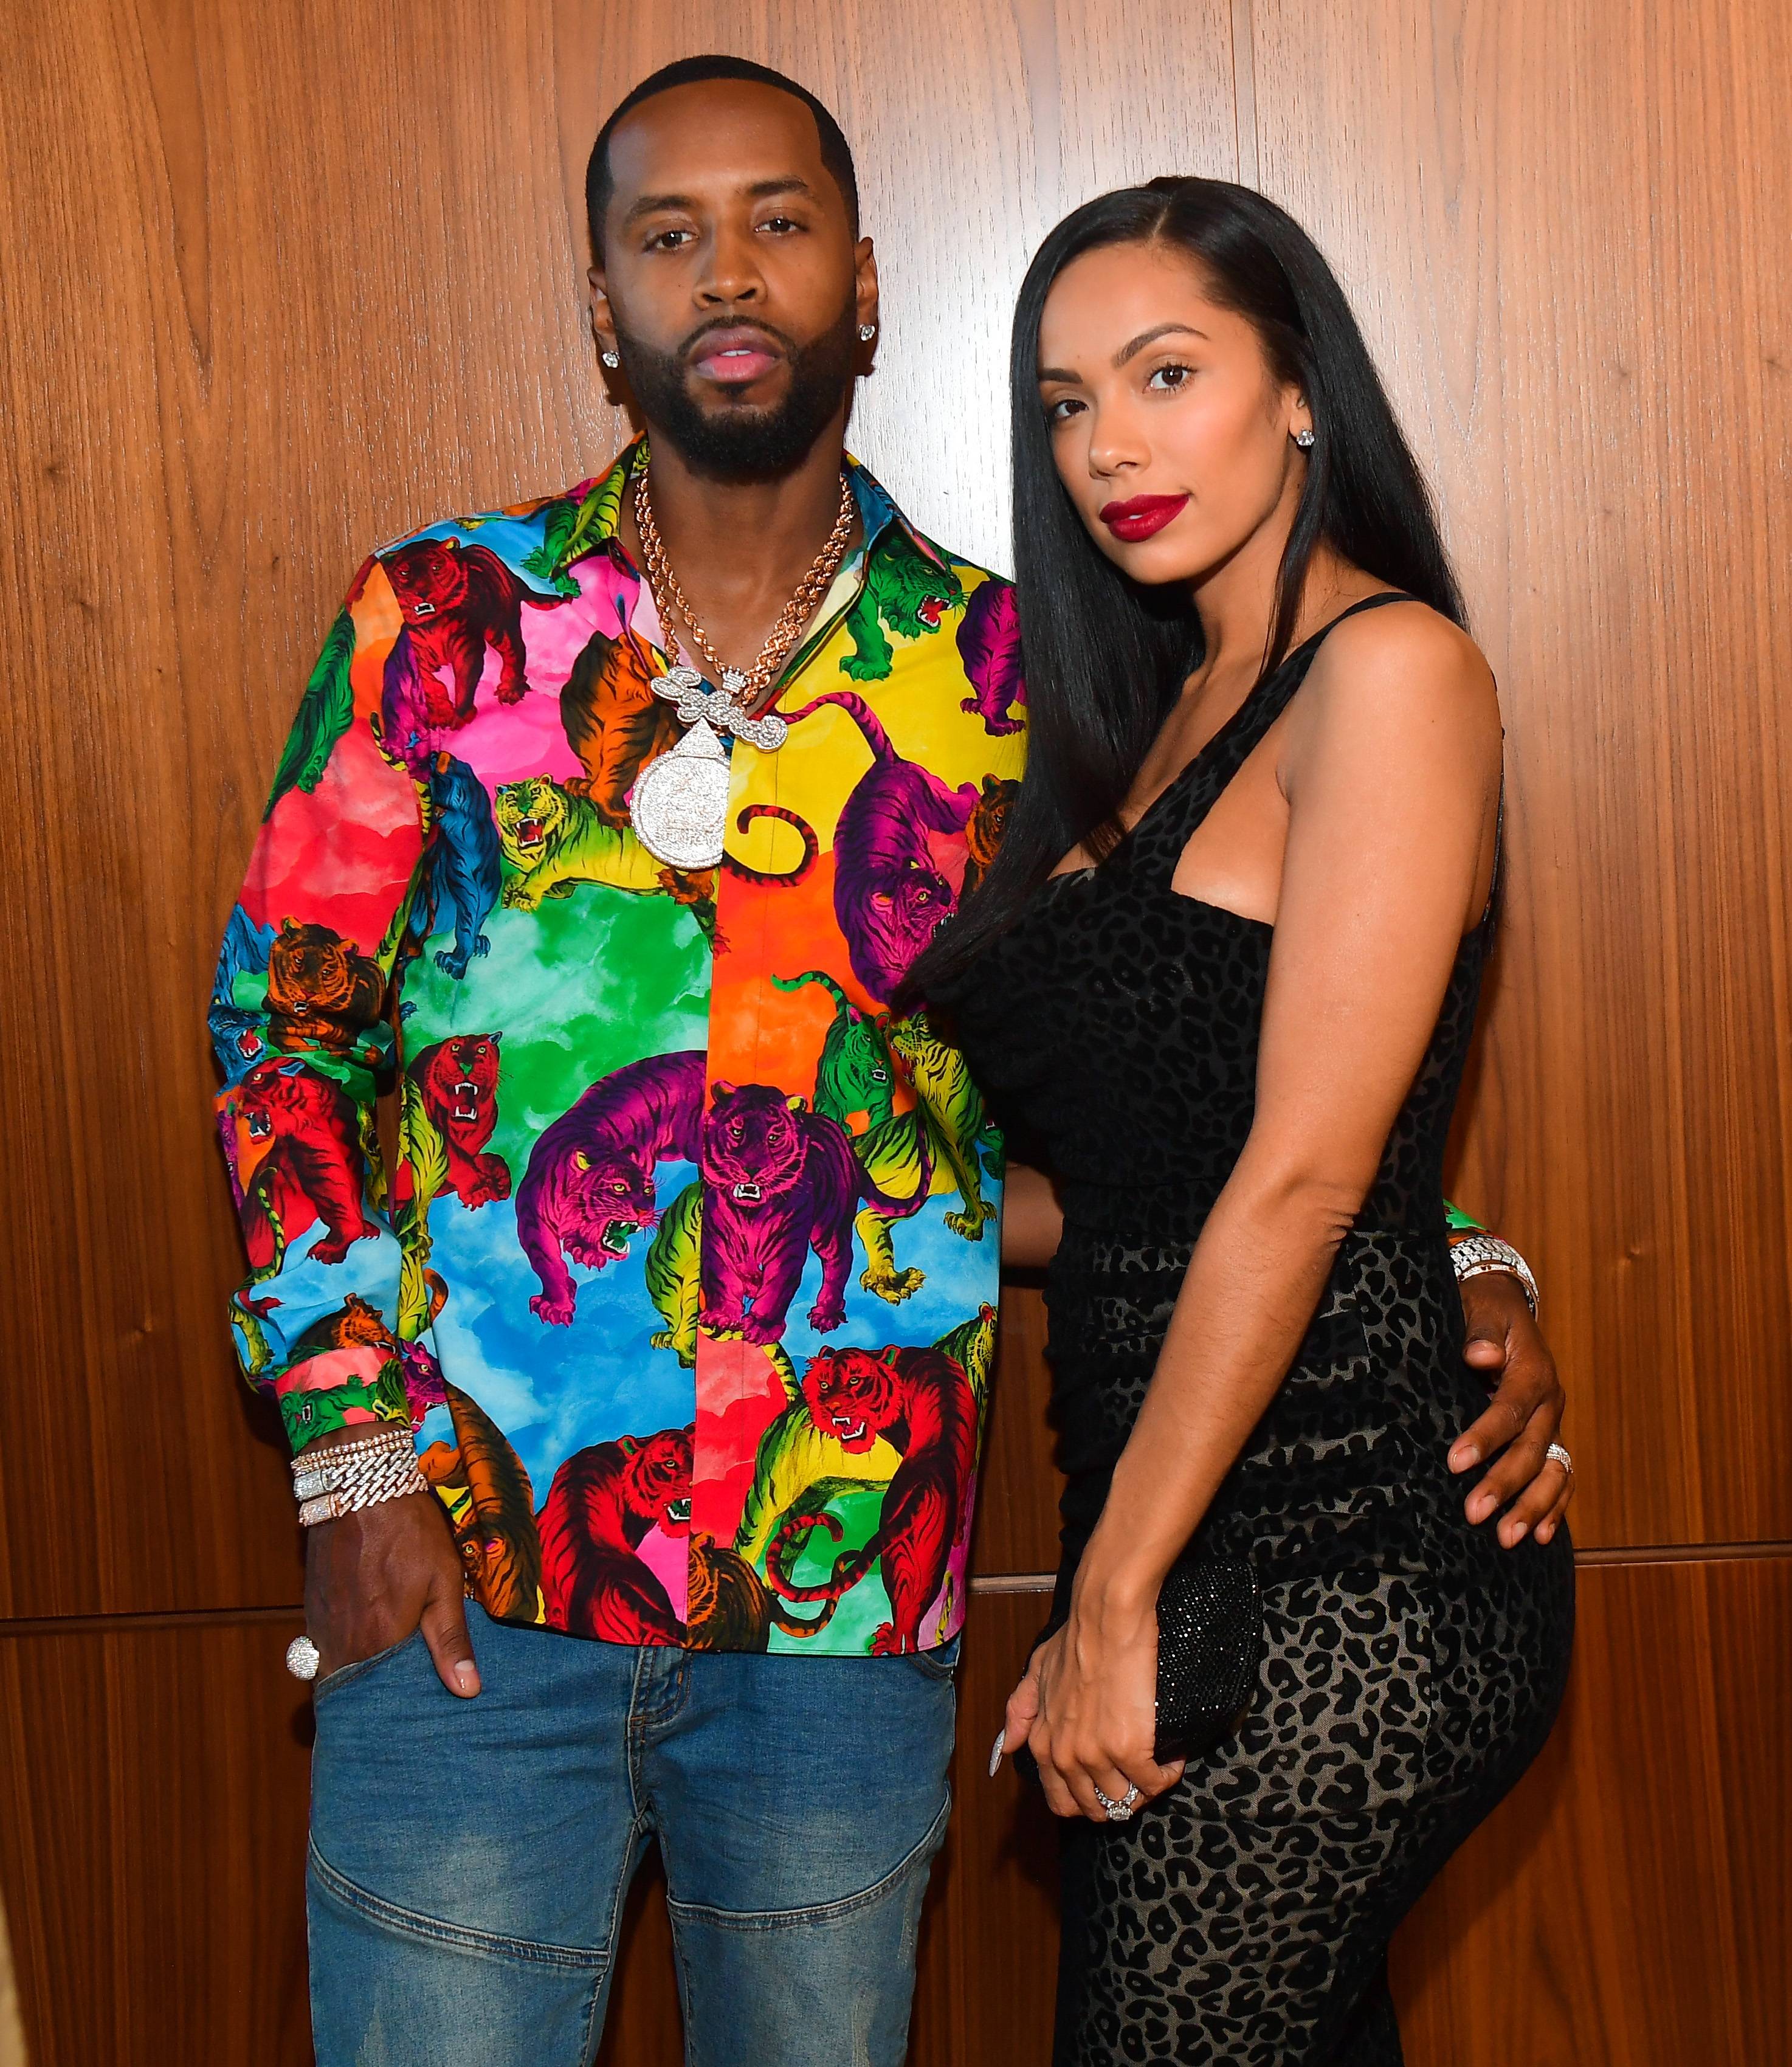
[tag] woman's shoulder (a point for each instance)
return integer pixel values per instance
(1402, 640)
(1400, 664)
(1395, 697)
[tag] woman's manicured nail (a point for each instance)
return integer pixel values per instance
(996, 1750)
(1522, 1530)
(1463, 1458)
(466, 1678)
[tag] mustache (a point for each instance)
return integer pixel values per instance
(687, 350)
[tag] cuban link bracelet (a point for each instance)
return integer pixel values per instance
(349, 1476)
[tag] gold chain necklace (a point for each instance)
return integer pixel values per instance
(680, 803)
(743, 686)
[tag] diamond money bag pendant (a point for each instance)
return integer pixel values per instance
(680, 803)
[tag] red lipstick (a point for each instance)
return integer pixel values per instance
(1143, 517)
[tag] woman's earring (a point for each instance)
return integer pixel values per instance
(866, 332)
(609, 359)
(1305, 440)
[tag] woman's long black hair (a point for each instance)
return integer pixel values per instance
(1105, 658)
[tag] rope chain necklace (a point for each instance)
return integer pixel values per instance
(678, 805)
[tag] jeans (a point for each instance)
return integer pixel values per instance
(469, 1859)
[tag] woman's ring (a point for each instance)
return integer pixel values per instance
(301, 1657)
(1118, 1812)
(1557, 1455)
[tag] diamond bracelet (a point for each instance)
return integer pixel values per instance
(349, 1476)
(1475, 1255)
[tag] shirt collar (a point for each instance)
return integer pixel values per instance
(600, 508)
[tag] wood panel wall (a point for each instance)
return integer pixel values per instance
(281, 283)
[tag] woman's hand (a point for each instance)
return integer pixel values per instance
(1086, 1708)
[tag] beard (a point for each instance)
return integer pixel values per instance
(738, 443)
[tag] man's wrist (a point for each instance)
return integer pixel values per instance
(330, 1481)
(1480, 1255)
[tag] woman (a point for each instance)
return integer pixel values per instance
(1222, 978)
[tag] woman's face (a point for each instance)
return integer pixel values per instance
(1173, 436)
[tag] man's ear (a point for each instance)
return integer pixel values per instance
(603, 321)
(865, 282)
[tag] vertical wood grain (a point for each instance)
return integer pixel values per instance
(152, 1811)
(1563, 228)
(1629, 1904)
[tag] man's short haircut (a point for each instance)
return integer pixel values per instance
(836, 152)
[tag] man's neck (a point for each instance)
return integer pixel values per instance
(739, 549)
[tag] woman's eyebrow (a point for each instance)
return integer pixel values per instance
(1132, 351)
(1146, 337)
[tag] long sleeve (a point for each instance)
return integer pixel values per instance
(300, 1026)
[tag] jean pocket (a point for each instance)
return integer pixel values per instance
(358, 1668)
(941, 1663)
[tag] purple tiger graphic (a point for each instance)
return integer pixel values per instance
(778, 1181)
(989, 645)
(888, 894)
(590, 1184)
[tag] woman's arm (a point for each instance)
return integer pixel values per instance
(1391, 769)
(1032, 1221)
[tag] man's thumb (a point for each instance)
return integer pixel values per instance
(1483, 1342)
(444, 1630)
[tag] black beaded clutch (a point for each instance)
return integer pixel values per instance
(1209, 1651)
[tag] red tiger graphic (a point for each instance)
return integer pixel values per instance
(309, 1168)
(457, 1081)
(920, 1401)
(603, 1501)
(457, 600)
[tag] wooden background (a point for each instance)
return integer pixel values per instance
(282, 282)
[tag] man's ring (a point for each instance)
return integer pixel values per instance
(1558, 1455)
(301, 1657)
(1119, 1811)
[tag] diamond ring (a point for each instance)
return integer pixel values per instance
(301, 1657)
(1556, 1454)
(1119, 1812)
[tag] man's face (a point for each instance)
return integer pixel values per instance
(731, 283)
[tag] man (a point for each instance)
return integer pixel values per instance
(686, 1278)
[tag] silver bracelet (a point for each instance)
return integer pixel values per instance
(1475, 1255)
(349, 1476)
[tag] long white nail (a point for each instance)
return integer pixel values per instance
(996, 1750)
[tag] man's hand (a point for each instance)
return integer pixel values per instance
(1505, 1342)
(372, 1577)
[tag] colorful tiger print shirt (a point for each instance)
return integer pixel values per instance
(686, 1273)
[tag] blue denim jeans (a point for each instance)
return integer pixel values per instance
(469, 1858)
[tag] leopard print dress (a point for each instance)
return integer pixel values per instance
(1413, 1669)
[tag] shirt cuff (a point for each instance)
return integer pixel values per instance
(358, 1387)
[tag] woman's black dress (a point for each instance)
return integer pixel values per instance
(1412, 1667)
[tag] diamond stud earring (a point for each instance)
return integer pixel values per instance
(609, 359)
(866, 332)
(1305, 440)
